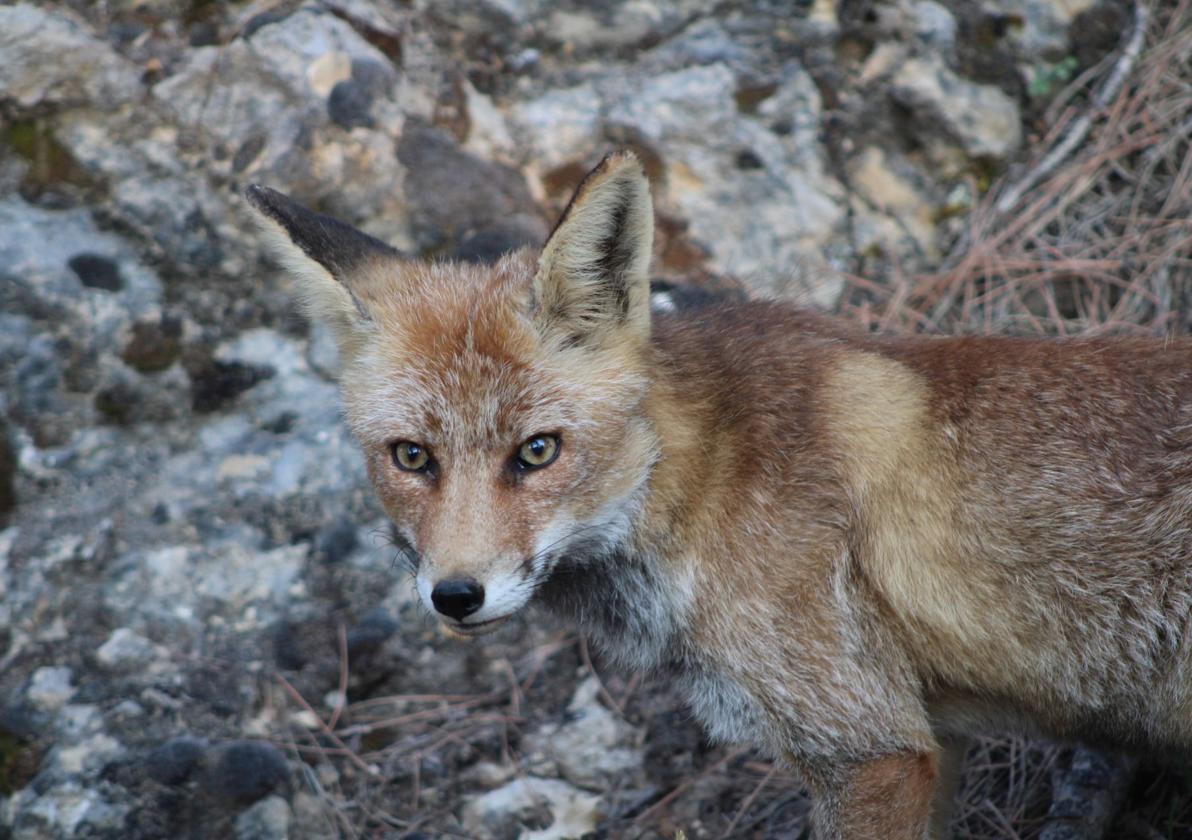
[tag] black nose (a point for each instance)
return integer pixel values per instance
(457, 598)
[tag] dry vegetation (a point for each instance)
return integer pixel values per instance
(1093, 233)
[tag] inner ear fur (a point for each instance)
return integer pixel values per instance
(327, 257)
(593, 274)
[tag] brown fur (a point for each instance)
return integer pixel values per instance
(847, 548)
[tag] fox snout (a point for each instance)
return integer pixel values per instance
(475, 598)
(457, 598)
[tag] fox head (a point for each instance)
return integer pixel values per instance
(499, 408)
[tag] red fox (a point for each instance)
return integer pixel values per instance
(851, 550)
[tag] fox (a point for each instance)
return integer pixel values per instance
(853, 551)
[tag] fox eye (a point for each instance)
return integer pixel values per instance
(410, 457)
(537, 452)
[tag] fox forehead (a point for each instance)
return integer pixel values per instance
(455, 361)
(468, 402)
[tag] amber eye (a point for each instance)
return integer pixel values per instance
(537, 452)
(410, 456)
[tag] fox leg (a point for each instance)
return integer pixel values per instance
(888, 797)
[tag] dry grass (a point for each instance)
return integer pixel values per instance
(1095, 233)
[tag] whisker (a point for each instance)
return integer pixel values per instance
(529, 561)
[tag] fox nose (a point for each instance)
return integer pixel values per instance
(457, 598)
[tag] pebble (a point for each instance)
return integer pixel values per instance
(175, 761)
(268, 819)
(245, 771)
(349, 104)
(374, 628)
(125, 650)
(50, 688)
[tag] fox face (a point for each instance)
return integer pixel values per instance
(499, 408)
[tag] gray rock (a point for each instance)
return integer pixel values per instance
(126, 650)
(567, 811)
(759, 199)
(65, 811)
(181, 585)
(932, 24)
(49, 58)
(456, 193)
(246, 771)
(561, 125)
(60, 265)
(983, 120)
(1043, 32)
(50, 688)
(374, 627)
(71, 293)
(594, 746)
(349, 104)
(335, 542)
(269, 819)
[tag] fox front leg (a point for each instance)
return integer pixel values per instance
(888, 797)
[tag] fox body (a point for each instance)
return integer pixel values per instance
(851, 550)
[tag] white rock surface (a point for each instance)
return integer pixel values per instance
(498, 812)
(594, 746)
(51, 58)
(981, 118)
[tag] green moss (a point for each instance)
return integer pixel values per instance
(1047, 79)
(50, 165)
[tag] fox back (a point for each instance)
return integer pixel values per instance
(850, 550)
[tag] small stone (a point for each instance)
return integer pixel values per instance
(374, 628)
(125, 650)
(376, 78)
(70, 810)
(349, 105)
(155, 345)
(336, 541)
(566, 810)
(887, 187)
(246, 771)
(982, 119)
(218, 383)
(288, 647)
(269, 819)
(96, 271)
(933, 24)
(128, 709)
(50, 688)
(594, 746)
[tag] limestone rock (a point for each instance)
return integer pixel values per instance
(981, 118)
(567, 812)
(50, 58)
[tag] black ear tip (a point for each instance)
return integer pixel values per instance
(262, 198)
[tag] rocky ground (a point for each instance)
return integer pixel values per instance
(204, 629)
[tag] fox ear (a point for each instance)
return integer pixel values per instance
(331, 261)
(593, 275)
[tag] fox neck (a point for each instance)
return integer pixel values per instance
(632, 595)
